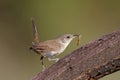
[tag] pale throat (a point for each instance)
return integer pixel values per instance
(65, 42)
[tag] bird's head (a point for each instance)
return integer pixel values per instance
(67, 38)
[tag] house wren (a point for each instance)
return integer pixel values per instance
(50, 48)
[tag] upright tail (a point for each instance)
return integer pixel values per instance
(35, 32)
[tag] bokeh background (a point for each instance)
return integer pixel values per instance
(91, 18)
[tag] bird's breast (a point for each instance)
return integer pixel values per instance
(62, 48)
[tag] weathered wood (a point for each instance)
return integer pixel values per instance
(90, 62)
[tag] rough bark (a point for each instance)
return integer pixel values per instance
(90, 62)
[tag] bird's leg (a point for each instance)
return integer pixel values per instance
(53, 59)
(41, 60)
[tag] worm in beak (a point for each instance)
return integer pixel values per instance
(79, 37)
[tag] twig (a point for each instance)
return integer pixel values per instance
(90, 62)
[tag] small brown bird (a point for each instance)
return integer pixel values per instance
(50, 48)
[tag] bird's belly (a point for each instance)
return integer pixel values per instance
(54, 53)
(61, 50)
(57, 51)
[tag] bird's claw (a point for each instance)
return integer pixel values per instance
(53, 59)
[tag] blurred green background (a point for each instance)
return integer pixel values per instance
(91, 18)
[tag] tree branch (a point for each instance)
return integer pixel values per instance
(90, 62)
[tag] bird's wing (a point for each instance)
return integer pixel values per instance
(42, 48)
(50, 45)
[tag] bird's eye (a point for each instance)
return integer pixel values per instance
(68, 37)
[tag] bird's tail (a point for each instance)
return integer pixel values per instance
(35, 32)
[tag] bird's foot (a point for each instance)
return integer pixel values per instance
(57, 59)
(43, 68)
(53, 59)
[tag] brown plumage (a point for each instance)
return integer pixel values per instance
(50, 48)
